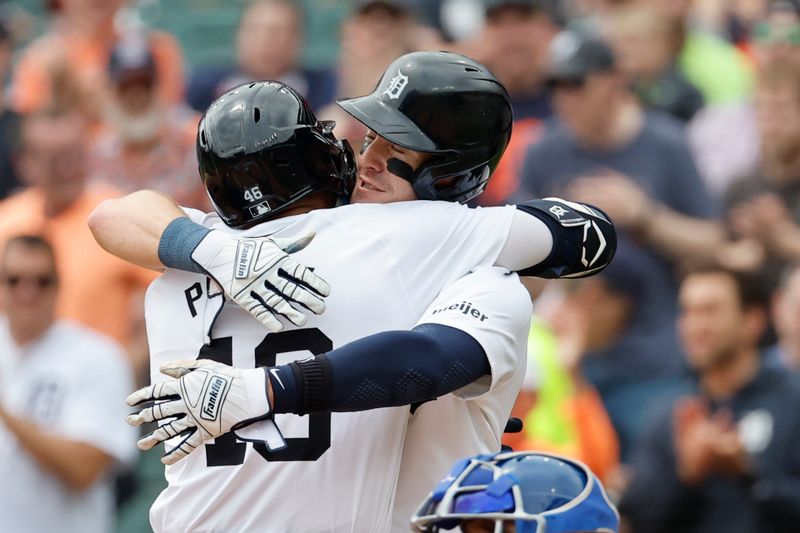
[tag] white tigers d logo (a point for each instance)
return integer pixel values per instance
(396, 86)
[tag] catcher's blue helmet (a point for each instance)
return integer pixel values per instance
(539, 492)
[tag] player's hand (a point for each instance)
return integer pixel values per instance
(258, 274)
(206, 400)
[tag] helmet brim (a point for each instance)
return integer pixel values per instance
(388, 122)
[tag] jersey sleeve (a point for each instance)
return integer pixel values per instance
(493, 307)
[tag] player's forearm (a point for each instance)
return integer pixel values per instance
(383, 370)
(76, 464)
(679, 236)
(131, 227)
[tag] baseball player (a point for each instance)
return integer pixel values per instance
(387, 268)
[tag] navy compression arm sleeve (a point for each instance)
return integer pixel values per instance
(383, 370)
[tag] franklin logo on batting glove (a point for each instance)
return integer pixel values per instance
(213, 397)
(205, 399)
(244, 257)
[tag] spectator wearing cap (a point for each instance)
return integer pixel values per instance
(145, 143)
(269, 41)
(724, 456)
(605, 150)
(68, 65)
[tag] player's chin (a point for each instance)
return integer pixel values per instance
(362, 195)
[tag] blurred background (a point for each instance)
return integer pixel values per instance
(672, 374)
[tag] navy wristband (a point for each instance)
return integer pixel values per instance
(177, 243)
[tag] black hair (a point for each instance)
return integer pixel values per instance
(753, 288)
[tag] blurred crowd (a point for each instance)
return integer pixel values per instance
(673, 374)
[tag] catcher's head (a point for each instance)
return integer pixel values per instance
(261, 149)
(522, 492)
(438, 120)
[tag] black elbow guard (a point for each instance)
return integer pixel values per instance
(584, 239)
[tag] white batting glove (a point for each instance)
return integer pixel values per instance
(206, 400)
(258, 274)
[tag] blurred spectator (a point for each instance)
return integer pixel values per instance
(62, 405)
(733, 20)
(514, 46)
(724, 141)
(785, 310)
(9, 121)
(605, 150)
(777, 108)
(77, 48)
(647, 47)
(377, 33)
(322, 35)
(97, 289)
(268, 46)
(776, 37)
(765, 206)
(145, 143)
(567, 414)
(718, 69)
(724, 457)
(724, 138)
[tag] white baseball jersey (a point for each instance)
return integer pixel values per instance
(385, 264)
(71, 382)
(494, 308)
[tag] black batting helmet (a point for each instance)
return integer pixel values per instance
(260, 149)
(444, 104)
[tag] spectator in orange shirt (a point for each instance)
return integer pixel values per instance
(98, 290)
(145, 143)
(79, 45)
